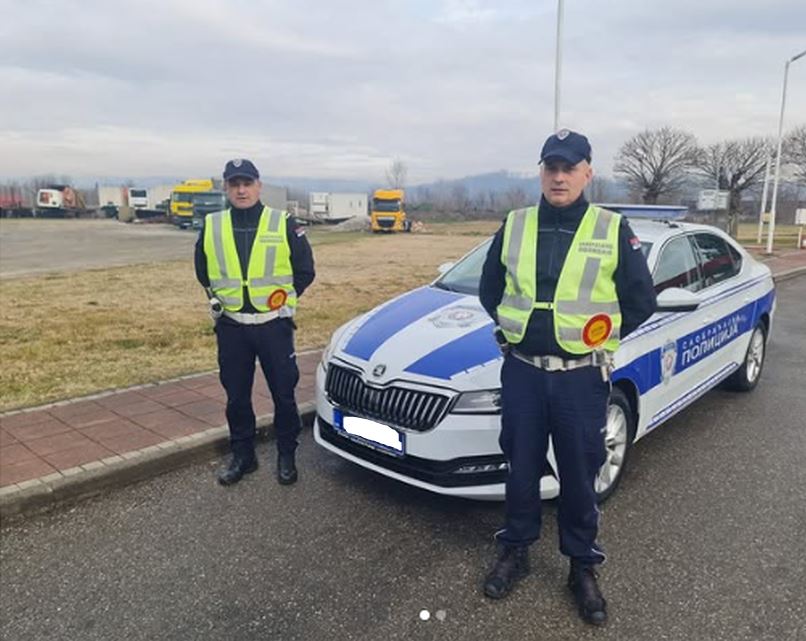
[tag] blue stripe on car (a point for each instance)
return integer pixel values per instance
(471, 350)
(645, 371)
(396, 316)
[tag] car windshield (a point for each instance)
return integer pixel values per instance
(464, 277)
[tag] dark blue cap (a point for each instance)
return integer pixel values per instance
(240, 168)
(566, 145)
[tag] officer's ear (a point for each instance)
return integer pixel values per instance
(588, 173)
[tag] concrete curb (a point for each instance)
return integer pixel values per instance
(789, 274)
(91, 479)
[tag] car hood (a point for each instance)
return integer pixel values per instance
(429, 336)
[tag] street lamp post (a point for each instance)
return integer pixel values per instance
(763, 200)
(557, 65)
(778, 155)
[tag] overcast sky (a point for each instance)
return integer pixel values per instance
(338, 88)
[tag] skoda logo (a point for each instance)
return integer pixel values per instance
(379, 370)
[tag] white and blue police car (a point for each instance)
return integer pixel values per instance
(411, 389)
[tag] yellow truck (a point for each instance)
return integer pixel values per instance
(191, 196)
(387, 212)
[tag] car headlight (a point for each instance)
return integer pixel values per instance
(481, 402)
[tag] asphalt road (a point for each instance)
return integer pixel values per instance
(37, 246)
(706, 539)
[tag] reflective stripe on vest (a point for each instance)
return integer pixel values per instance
(269, 273)
(585, 308)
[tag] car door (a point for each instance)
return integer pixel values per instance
(677, 266)
(724, 295)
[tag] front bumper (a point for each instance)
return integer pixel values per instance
(433, 458)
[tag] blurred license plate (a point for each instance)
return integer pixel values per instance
(370, 433)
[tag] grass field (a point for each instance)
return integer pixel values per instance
(68, 334)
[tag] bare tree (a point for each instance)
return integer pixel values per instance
(736, 166)
(515, 198)
(656, 162)
(460, 201)
(396, 174)
(794, 152)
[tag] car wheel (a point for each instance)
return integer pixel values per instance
(619, 435)
(746, 377)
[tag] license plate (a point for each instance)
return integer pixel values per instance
(370, 433)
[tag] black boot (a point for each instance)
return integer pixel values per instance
(238, 466)
(286, 469)
(591, 603)
(510, 567)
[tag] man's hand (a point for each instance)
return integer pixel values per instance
(503, 345)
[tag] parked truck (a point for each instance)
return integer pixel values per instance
(388, 211)
(62, 201)
(15, 201)
(183, 196)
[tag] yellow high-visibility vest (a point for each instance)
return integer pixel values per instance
(586, 311)
(270, 277)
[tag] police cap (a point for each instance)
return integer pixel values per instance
(240, 168)
(566, 145)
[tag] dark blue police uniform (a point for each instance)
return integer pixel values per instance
(272, 343)
(570, 405)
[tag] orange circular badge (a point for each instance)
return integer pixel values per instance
(597, 330)
(277, 299)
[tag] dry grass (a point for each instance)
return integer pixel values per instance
(69, 334)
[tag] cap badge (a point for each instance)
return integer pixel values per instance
(237, 162)
(562, 134)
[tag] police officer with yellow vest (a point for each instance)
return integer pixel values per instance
(255, 262)
(564, 281)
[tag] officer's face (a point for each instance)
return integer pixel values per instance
(243, 192)
(563, 182)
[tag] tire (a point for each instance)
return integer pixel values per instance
(746, 377)
(619, 435)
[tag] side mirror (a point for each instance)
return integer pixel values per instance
(676, 299)
(444, 267)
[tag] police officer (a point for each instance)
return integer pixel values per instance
(255, 263)
(564, 281)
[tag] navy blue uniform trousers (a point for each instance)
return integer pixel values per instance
(272, 344)
(571, 406)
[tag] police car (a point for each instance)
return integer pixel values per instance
(411, 390)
